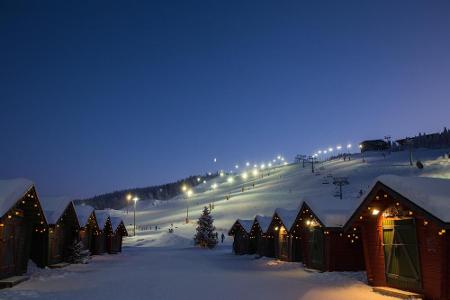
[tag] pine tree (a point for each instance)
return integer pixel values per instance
(205, 236)
(78, 255)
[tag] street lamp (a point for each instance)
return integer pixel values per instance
(135, 199)
(129, 196)
(188, 194)
(244, 175)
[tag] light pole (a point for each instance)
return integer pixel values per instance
(135, 199)
(362, 153)
(129, 196)
(188, 194)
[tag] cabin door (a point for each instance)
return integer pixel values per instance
(12, 248)
(316, 248)
(401, 254)
(283, 242)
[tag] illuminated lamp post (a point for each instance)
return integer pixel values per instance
(135, 199)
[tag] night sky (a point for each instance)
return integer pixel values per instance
(117, 94)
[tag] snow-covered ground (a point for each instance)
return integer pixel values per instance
(161, 265)
(178, 272)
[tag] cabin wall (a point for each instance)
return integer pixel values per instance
(433, 248)
(342, 254)
(241, 243)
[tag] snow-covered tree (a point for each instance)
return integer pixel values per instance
(206, 237)
(78, 255)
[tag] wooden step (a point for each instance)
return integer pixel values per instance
(12, 281)
(388, 291)
(59, 265)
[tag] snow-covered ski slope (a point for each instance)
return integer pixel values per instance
(283, 186)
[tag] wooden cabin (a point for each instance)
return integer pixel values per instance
(21, 215)
(98, 245)
(325, 245)
(403, 223)
(282, 229)
(241, 237)
(52, 247)
(259, 237)
(114, 238)
(88, 225)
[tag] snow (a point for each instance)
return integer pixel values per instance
(83, 213)
(11, 190)
(264, 222)
(54, 207)
(432, 194)
(246, 224)
(184, 272)
(287, 217)
(102, 217)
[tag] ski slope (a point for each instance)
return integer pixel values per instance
(283, 186)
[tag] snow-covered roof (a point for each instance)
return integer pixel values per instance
(115, 222)
(102, 218)
(246, 224)
(11, 190)
(287, 216)
(264, 222)
(83, 213)
(332, 211)
(431, 194)
(54, 207)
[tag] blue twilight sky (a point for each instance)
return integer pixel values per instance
(108, 95)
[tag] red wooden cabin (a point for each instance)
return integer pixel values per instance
(286, 242)
(88, 225)
(258, 235)
(114, 238)
(51, 247)
(325, 245)
(403, 223)
(21, 215)
(241, 237)
(98, 245)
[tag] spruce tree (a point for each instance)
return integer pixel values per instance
(78, 255)
(205, 236)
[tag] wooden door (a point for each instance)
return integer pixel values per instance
(316, 249)
(7, 248)
(283, 244)
(401, 254)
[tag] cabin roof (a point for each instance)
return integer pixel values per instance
(83, 213)
(331, 211)
(431, 194)
(11, 190)
(246, 224)
(54, 207)
(264, 222)
(102, 218)
(287, 216)
(115, 222)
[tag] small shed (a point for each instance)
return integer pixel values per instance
(114, 238)
(286, 242)
(241, 237)
(259, 237)
(403, 223)
(88, 225)
(325, 245)
(104, 228)
(20, 215)
(52, 246)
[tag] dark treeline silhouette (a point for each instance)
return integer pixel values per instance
(424, 140)
(118, 199)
